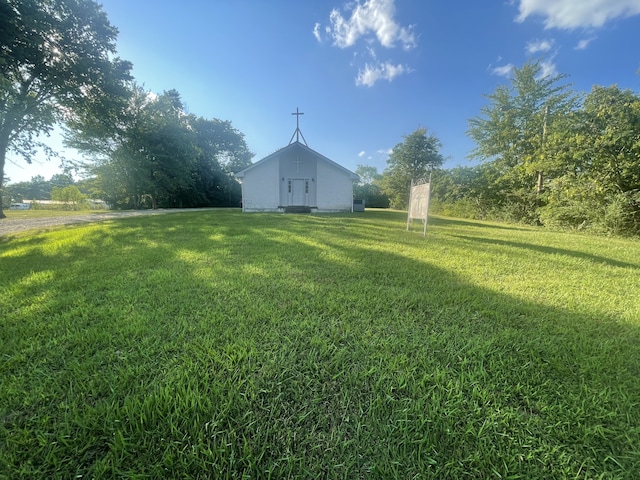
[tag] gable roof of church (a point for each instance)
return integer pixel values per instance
(303, 147)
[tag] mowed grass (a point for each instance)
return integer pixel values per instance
(226, 345)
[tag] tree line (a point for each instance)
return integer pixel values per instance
(61, 188)
(546, 156)
(38, 188)
(153, 154)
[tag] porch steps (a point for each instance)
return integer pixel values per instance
(297, 209)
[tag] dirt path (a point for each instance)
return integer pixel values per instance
(10, 225)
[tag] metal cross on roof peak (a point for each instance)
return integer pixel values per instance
(298, 133)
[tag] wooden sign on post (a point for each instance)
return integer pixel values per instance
(419, 204)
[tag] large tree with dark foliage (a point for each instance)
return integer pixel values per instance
(56, 57)
(512, 133)
(368, 187)
(153, 154)
(410, 160)
(598, 150)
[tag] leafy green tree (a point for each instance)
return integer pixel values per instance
(411, 160)
(164, 146)
(153, 154)
(222, 151)
(512, 133)
(61, 180)
(611, 131)
(141, 153)
(56, 58)
(70, 196)
(599, 148)
(15, 192)
(159, 150)
(463, 192)
(368, 187)
(91, 188)
(35, 189)
(367, 174)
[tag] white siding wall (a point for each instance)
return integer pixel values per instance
(260, 188)
(305, 170)
(335, 189)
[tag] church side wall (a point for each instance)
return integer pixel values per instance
(335, 189)
(260, 188)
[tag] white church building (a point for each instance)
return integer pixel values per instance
(296, 179)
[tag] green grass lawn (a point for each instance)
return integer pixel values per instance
(226, 345)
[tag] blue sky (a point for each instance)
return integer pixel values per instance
(364, 72)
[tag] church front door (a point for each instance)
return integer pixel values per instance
(299, 191)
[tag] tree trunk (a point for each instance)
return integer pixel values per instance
(540, 183)
(4, 146)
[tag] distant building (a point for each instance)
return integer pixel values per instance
(296, 179)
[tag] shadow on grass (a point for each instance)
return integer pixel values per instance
(456, 222)
(222, 345)
(551, 251)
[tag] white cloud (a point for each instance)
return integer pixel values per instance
(316, 32)
(538, 46)
(371, 17)
(504, 71)
(584, 43)
(382, 71)
(548, 69)
(374, 22)
(362, 154)
(386, 151)
(571, 14)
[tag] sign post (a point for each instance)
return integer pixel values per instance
(419, 198)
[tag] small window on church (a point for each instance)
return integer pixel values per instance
(306, 186)
(289, 185)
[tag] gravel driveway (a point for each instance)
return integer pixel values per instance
(10, 225)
